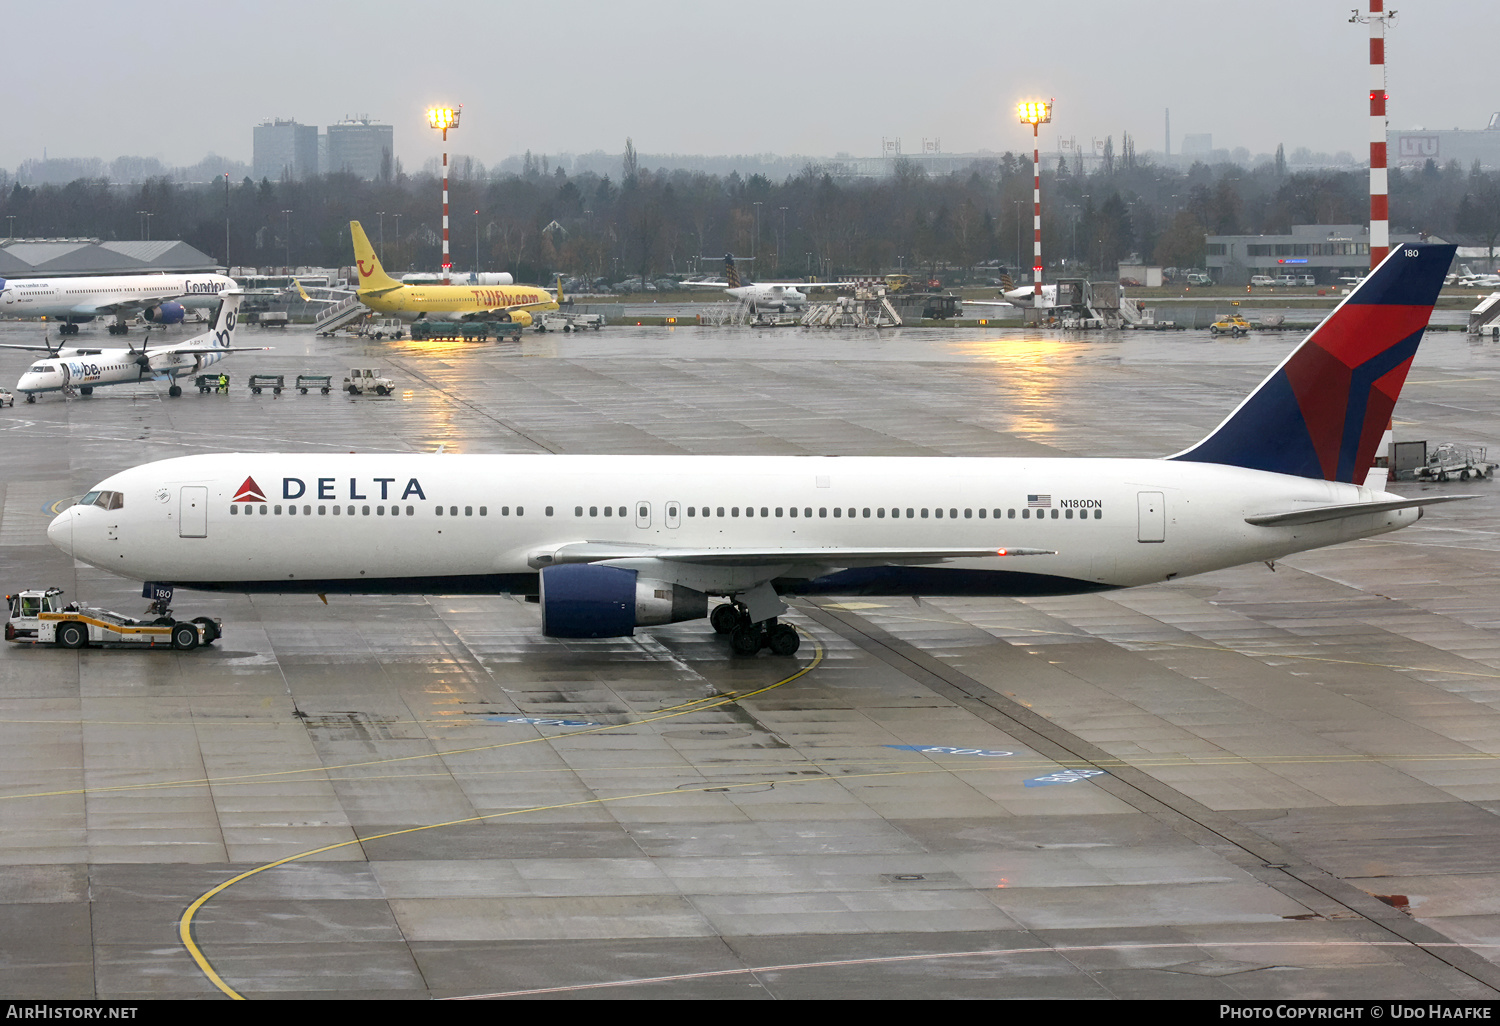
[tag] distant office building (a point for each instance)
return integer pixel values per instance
(1417, 146)
(1327, 252)
(361, 147)
(285, 148)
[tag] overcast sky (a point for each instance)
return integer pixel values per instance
(175, 80)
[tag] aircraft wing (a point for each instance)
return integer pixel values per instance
(125, 306)
(597, 552)
(704, 284)
(986, 302)
(70, 350)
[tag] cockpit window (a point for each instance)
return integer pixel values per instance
(104, 500)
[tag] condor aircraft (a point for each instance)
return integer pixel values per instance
(384, 294)
(83, 370)
(612, 543)
(160, 298)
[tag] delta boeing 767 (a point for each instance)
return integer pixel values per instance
(611, 543)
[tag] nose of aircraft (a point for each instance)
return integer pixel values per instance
(60, 531)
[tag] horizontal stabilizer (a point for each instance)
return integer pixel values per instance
(595, 552)
(1318, 514)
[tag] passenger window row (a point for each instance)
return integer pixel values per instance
(805, 512)
(323, 511)
(880, 513)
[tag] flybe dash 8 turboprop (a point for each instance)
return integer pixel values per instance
(611, 543)
(778, 296)
(83, 370)
(384, 294)
(159, 298)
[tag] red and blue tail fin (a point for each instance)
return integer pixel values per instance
(1322, 412)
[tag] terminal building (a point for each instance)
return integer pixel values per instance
(283, 148)
(361, 147)
(64, 258)
(1328, 252)
(1415, 147)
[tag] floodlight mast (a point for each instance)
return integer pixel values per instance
(1034, 113)
(444, 118)
(1380, 215)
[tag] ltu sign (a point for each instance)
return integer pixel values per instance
(1419, 146)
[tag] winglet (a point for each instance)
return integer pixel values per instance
(559, 291)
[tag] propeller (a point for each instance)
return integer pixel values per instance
(140, 358)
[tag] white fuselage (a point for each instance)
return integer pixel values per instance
(430, 523)
(103, 294)
(781, 298)
(83, 368)
(109, 367)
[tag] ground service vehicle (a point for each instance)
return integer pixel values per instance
(361, 379)
(1230, 324)
(39, 617)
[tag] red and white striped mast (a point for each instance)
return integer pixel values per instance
(1034, 113)
(444, 118)
(1380, 211)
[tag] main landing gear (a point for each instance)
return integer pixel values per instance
(747, 638)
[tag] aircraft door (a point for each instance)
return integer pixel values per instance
(1153, 517)
(192, 518)
(674, 514)
(643, 514)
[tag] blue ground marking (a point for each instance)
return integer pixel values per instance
(941, 750)
(542, 721)
(1064, 777)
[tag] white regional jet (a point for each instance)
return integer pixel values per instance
(160, 298)
(612, 543)
(764, 296)
(83, 370)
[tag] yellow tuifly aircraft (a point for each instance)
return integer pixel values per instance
(384, 294)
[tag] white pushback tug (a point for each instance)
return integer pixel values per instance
(39, 617)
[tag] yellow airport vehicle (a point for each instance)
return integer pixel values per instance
(1230, 324)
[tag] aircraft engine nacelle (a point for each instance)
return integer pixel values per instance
(521, 317)
(165, 313)
(587, 600)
